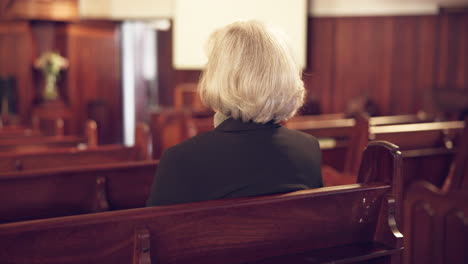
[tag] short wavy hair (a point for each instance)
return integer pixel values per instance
(251, 74)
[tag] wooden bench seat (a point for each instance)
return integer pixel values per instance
(347, 224)
(78, 190)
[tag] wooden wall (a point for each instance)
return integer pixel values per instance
(394, 60)
(94, 76)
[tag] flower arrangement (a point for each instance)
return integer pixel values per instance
(51, 63)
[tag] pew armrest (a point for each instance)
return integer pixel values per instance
(392, 222)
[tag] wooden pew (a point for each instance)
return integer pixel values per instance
(436, 229)
(458, 176)
(429, 151)
(431, 165)
(347, 224)
(334, 132)
(422, 135)
(168, 128)
(436, 219)
(420, 117)
(39, 143)
(428, 148)
(352, 160)
(75, 157)
(334, 128)
(10, 132)
(18, 131)
(172, 126)
(373, 121)
(75, 190)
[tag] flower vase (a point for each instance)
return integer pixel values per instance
(50, 89)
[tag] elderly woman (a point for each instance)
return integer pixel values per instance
(252, 83)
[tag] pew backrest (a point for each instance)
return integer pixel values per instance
(78, 190)
(168, 128)
(436, 225)
(231, 231)
(400, 119)
(62, 158)
(431, 165)
(422, 135)
(40, 143)
(458, 176)
(75, 157)
(357, 144)
(334, 128)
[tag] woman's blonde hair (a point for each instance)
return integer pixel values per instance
(251, 74)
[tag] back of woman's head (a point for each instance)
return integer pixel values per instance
(251, 74)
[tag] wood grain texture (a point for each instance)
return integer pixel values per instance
(93, 50)
(435, 225)
(75, 190)
(62, 158)
(458, 177)
(235, 231)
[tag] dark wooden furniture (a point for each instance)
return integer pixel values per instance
(75, 190)
(168, 128)
(357, 143)
(172, 126)
(17, 131)
(458, 176)
(427, 148)
(334, 132)
(75, 157)
(421, 135)
(347, 224)
(39, 143)
(328, 128)
(430, 164)
(436, 225)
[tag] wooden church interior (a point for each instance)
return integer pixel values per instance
(387, 97)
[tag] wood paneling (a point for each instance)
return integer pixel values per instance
(93, 50)
(394, 60)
